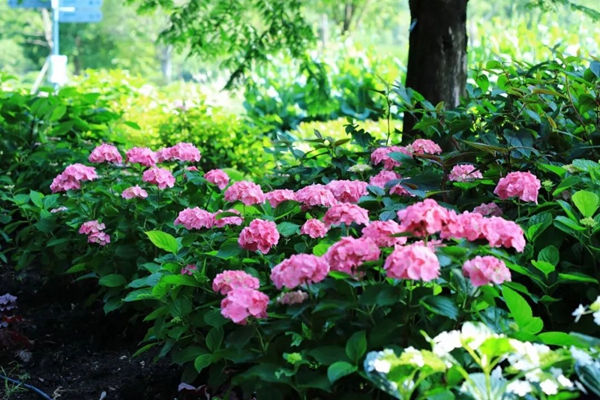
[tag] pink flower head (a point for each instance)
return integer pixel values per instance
(134, 191)
(192, 169)
(71, 177)
(412, 262)
(90, 227)
(221, 222)
(485, 270)
(382, 155)
(349, 253)
(383, 177)
(380, 231)
(195, 218)
(500, 232)
(346, 213)
(62, 183)
(348, 191)
(247, 192)
(314, 228)
(141, 155)
(189, 269)
(242, 303)
(295, 297)
(316, 195)
(181, 152)
(471, 225)
(101, 238)
(259, 235)
(424, 218)
(278, 196)
(489, 209)
(159, 176)
(106, 153)
(424, 146)
(523, 185)
(227, 281)
(217, 177)
(299, 269)
(464, 173)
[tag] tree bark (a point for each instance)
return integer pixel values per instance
(437, 56)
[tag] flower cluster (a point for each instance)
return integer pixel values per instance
(299, 269)
(247, 192)
(382, 155)
(278, 196)
(346, 213)
(314, 228)
(486, 270)
(159, 176)
(381, 233)
(71, 178)
(181, 151)
(106, 153)
(350, 253)
(593, 309)
(316, 195)
(242, 299)
(523, 185)
(464, 173)
(195, 218)
(217, 177)
(95, 232)
(295, 297)
(412, 262)
(259, 235)
(189, 269)
(489, 209)
(383, 177)
(134, 191)
(424, 146)
(141, 155)
(348, 191)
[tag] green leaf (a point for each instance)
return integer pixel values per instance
(214, 338)
(441, 305)
(287, 229)
(180, 280)
(202, 361)
(543, 266)
(76, 268)
(549, 254)
(58, 113)
(575, 277)
(230, 248)
(112, 280)
(561, 339)
(180, 307)
(327, 355)
(322, 247)
(37, 198)
(164, 241)
(521, 312)
(356, 347)
(140, 294)
(339, 370)
(285, 208)
(568, 225)
(215, 318)
(565, 184)
(586, 202)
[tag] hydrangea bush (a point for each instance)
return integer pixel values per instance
(282, 288)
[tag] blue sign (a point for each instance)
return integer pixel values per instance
(81, 3)
(80, 15)
(29, 4)
(84, 4)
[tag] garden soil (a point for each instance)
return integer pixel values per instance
(78, 352)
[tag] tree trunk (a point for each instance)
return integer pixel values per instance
(437, 56)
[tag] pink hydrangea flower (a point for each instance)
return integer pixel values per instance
(489, 209)
(382, 155)
(424, 218)
(485, 270)
(141, 155)
(500, 232)
(101, 238)
(349, 253)
(247, 192)
(523, 185)
(159, 176)
(259, 235)
(347, 191)
(189, 269)
(383, 177)
(299, 269)
(90, 227)
(71, 177)
(181, 151)
(278, 196)
(424, 146)
(295, 297)
(242, 303)
(316, 195)
(464, 173)
(192, 169)
(227, 281)
(134, 191)
(217, 177)
(106, 153)
(221, 222)
(346, 213)
(380, 231)
(195, 218)
(314, 228)
(412, 262)
(471, 225)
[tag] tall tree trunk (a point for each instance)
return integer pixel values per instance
(437, 56)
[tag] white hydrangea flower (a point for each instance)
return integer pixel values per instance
(382, 366)
(549, 387)
(579, 312)
(360, 168)
(520, 388)
(581, 356)
(475, 334)
(596, 317)
(445, 342)
(564, 382)
(416, 357)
